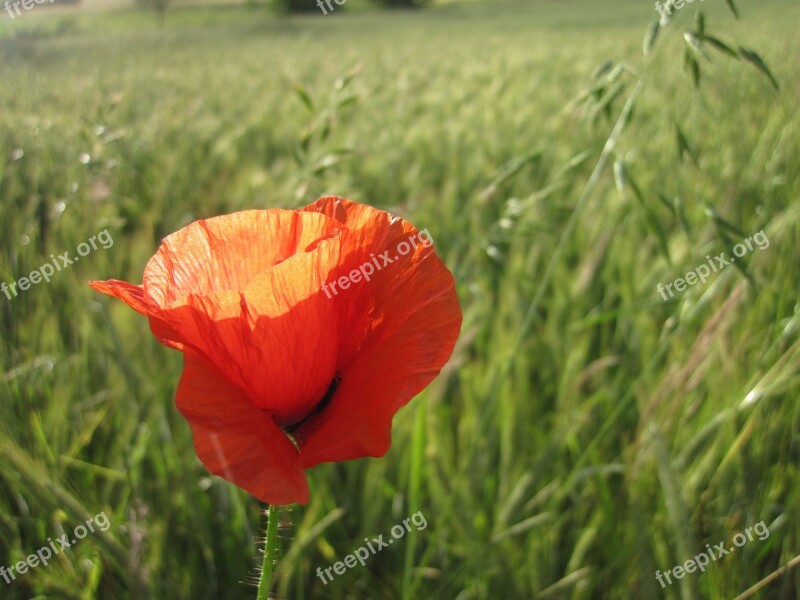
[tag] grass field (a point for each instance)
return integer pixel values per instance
(585, 434)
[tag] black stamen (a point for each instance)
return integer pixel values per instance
(320, 405)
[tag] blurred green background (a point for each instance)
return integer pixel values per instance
(585, 434)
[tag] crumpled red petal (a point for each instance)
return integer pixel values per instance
(267, 351)
(235, 440)
(415, 321)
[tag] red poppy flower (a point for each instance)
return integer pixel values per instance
(294, 354)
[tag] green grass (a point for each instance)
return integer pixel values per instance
(585, 434)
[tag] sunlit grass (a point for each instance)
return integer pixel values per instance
(570, 449)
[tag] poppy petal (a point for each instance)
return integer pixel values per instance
(415, 319)
(276, 339)
(226, 253)
(270, 348)
(235, 440)
(132, 295)
(135, 297)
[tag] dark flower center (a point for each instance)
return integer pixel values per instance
(321, 405)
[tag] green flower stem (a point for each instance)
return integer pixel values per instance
(270, 546)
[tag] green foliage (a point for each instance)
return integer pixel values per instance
(586, 433)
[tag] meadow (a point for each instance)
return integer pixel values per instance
(586, 433)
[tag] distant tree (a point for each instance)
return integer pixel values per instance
(160, 6)
(404, 3)
(296, 6)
